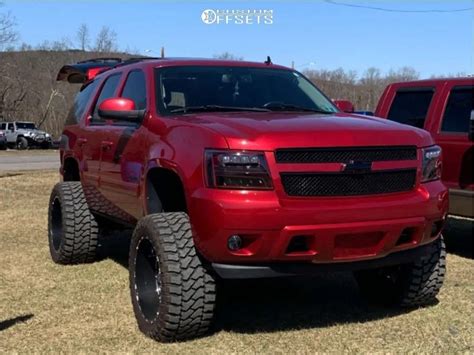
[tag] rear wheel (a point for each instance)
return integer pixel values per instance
(72, 229)
(21, 143)
(411, 285)
(173, 295)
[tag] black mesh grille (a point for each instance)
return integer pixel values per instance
(348, 184)
(344, 155)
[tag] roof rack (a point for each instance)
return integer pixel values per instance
(101, 60)
(133, 60)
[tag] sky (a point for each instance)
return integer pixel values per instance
(313, 34)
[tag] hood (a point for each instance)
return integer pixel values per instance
(271, 130)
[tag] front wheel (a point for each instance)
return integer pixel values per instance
(21, 143)
(173, 295)
(410, 285)
(45, 145)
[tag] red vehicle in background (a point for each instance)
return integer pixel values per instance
(444, 107)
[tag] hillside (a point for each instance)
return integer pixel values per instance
(29, 90)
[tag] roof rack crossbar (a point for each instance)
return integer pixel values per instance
(101, 60)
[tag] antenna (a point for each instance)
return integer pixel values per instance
(268, 61)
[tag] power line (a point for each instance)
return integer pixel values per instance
(394, 10)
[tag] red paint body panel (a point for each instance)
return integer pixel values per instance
(456, 146)
(115, 160)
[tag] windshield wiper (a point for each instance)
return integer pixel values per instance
(217, 108)
(277, 106)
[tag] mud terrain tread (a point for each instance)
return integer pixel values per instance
(411, 285)
(80, 230)
(426, 277)
(188, 291)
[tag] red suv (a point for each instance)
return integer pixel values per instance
(232, 170)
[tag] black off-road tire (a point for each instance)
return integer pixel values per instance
(411, 285)
(173, 295)
(21, 143)
(72, 228)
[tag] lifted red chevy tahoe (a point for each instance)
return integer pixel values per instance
(444, 107)
(232, 169)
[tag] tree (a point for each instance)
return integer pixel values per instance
(228, 56)
(106, 40)
(8, 34)
(402, 74)
(83, 36)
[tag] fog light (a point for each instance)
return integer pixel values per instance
(234, 242)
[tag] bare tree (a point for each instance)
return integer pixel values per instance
(228, 56)
(106, 40)
(8, 34)
(83, 36)
(63, 44)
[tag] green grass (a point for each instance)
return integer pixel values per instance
(47, 307)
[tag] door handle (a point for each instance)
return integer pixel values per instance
(81, 141)
(106, 145)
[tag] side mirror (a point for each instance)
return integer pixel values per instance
(122, 109)
(344, 105)
(470, 133)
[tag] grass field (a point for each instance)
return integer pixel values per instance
(47, 307)
(14, 152)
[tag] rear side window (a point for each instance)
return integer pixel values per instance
(458, 110)
(3, 126)
(135, 89)
(109, 89)
(80, 104)
(411, 106)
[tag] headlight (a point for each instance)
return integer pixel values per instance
(237, 170)
(431, 164)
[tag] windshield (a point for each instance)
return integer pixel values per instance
(25, 125)
(187, 89)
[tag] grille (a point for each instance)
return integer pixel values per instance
(345, 155)
(348, 184)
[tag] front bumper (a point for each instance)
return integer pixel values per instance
(230, 271)
(334, 230)
(38, 140)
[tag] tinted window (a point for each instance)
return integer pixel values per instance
(25, 125)
(183, 88)
(109, 90)
(10, 126)
(135, 89)
(3, 126)
(458, 110)
(80, 103)
(410, 107)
